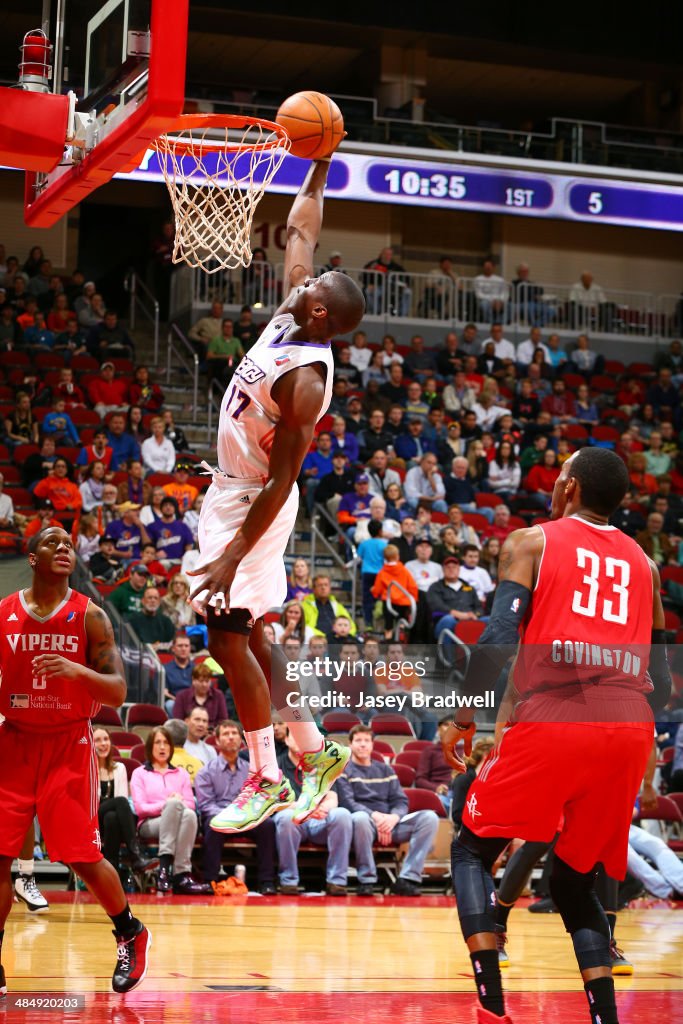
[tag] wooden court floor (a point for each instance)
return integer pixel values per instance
(307, 959)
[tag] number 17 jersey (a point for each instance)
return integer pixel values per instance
(586, 636)
(249, 414)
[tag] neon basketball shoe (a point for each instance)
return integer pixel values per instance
(256, 801)
(501, 942)
(319, 770)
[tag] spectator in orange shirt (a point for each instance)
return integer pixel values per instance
(28, 317)
(107, 392)
(185, 494)
(393, 571)
(43, 519)
(643, 483)
(61, 490)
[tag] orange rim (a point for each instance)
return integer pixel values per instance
(173, 139)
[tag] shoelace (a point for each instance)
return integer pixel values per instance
(501, 939)
(31, 889)
(123, 954)
(252, 786)
(615, 951)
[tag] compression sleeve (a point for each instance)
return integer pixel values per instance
(659, 673)
(498, 643)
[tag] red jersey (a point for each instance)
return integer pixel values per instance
(587, 632)
(43, 703)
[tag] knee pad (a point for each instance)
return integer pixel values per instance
(581, 913)
(475, 893)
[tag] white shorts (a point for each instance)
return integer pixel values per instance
(261, 580)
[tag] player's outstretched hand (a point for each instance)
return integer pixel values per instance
(451, 738)
(219, 576)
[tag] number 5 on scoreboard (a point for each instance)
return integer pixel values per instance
(614, 608)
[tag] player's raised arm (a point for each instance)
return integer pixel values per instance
(105, 681)
(303, 226)
(299, 395)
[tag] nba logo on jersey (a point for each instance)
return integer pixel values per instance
(281, 360)
(71, 616)
(19, 700)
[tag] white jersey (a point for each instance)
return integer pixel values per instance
(249, 414)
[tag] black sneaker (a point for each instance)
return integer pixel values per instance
(131, 960)
(3, 982)
(404, 887)
(268, 889)
(544, 906)
(366, 889)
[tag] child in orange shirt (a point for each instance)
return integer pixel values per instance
(393, 571)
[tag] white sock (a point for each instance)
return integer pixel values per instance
(262, 757)
(305, 732)
(26, 866)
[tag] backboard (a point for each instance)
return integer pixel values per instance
(123, 63)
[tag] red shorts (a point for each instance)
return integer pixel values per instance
(55, 776)
(591, 774)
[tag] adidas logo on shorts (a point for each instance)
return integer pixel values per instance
(245, 499)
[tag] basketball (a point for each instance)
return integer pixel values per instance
(313, 122)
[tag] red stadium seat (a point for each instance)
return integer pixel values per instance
(48, 360)
(573, 380)
(123, 739)
(665, 810)
(574, 432)
(415, 745)
(671, 572)
(14, 359)
(21, 497)
(425, 800)
(486, 500)
(614, 366)
(11, 474)
(672, 621)
(138, 753)
(388, 724)
(68, 453)
(409, 757)
(604, 433)
(84, 364)
(405, 774)
(440, 518)
(517, 523)
(475, 520)
(5, 454)
(85, 417)
(130, 764)
(640, 370)
(109, 717)
(159, 479)
(603, 383)
(339, 721)
(469, 631)
(142, 718)
(385, 750)
(6, 393)
(124, 366)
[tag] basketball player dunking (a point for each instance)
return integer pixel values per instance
(59, 665)
(268, 417)
(590, 670)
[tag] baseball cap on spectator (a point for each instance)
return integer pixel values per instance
(127, 506)
(335, 254)
(107, 539)
(44, 503)
(352, 399)
(426, 540)
(363, 479)
(451, 560)
(339, 454)
(105, 365)
(139, 568)
(183, 466)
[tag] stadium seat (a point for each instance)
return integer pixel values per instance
(603, 383)
(440, 518)
(138, 753)
(14, 359)
(5, 456)
(573, 380)
(666, 810)
(671, 572)
(405, 774)
(486, 500)
(425, 800)
(418, 745)
(672, 621)
(385, 750)
(339, 721)
(124, 366)
(108, 717)
(469, 631)
(123, 739)
(6, 393)
(477, 521)
(614, 366)
(83, 364)
(574, 432)
(388, 724)
(21, 497)
(85, 417)
(11, 474)
(142, 718)
(130, 764)
(48, 360)
(605, 435)
(640, 370)
(517, 523)
(376, 756)
(409, 757)
(68, 453)
(159, 479)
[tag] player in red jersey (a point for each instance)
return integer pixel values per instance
(59, 664)
(589, 672)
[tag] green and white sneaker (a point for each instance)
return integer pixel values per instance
(319, 770)
(256, 801)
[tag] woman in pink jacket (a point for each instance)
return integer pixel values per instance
(165, 805)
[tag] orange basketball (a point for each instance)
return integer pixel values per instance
(313, 122)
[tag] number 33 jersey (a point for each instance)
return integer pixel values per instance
(41, 702)
(587, 632)
(249, 414)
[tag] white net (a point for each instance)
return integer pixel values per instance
(216, 175)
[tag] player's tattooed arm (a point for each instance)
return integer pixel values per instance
(104, 676)
(520, 557)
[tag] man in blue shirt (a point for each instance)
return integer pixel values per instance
(379, 809)
(124, 445)
(58, 424)
(216, 786)
(371, 554)
(170, 534)
(315, 466)
(178, 671)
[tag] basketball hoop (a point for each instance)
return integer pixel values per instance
(216, 168)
